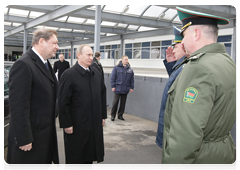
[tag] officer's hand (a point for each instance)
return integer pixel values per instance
(69, 130)
(169, 54)
(103, 122)
(113, 89)
(27, 147)
(131, 90)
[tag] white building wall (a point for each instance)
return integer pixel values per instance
(140, 63)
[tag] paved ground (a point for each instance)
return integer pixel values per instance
(129, 145)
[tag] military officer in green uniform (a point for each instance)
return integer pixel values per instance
(201, 107)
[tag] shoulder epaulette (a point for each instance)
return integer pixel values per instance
(196, 56)
(185, 61)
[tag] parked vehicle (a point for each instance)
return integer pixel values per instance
(7, 67)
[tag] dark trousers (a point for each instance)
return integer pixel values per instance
(84, 166)
(123, 99)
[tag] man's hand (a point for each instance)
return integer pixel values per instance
(169, 54)
(103, 122)
(113, 89)
(69, 130)
(131, 90)
(27, 147)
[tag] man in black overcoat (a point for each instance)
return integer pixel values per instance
(61, 65)
(82, 110)
(96, 63)
(32, 98)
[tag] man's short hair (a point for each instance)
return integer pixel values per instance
(124, 56)
(209, 31)
(80, 49)
(61, 55)
(97, 54)
(44, 33)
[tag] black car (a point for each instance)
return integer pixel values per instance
(7, 67)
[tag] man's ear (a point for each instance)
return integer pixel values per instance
(197, 34)
(41, 41)
(78, 54)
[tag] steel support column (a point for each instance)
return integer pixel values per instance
(234, 42)
(72, 53)
(24, 39)
(97, 28)
(122, 52)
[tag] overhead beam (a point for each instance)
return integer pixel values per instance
(123, 18)
(104, 39)
(13, 44)
(57, 24)
(29, 38)
(152, 33)
(221, 10)
(59, 12)
(212, 9)
(166, 31)
(37, 8)
(85, 27)
(60, 33)
(107, 16)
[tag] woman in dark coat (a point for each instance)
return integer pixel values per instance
(82, 108)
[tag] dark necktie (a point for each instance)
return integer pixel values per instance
(88, 72)
(46, 64)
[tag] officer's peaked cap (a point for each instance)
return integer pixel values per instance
(189, 17)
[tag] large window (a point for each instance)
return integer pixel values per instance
(165, 45)
(137, 50)
(110, 51)
(128, 50)
(155, 49)
(227, 40)
(147, 50)
(66, 53)
(141, 50)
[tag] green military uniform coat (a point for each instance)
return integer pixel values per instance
(201, 110)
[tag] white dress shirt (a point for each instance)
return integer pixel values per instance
(35, 51)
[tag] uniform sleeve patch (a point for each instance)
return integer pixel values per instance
(190, 95)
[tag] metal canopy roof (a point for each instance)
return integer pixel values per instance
(75, 23)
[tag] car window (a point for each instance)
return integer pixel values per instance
(6, 87)
(6, 77)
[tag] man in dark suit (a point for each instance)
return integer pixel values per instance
(97, 64)
(61, 65)
(82, 110)
(32, 98)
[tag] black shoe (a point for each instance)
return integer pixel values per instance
(121, 118)
(112, 119)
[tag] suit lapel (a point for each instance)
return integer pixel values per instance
(79, 68)
(40, 65)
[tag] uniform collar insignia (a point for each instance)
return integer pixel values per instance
(196, 56)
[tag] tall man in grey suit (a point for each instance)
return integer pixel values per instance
(32, 99)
